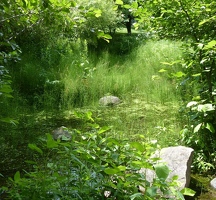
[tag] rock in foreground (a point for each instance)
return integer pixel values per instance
(179, 160)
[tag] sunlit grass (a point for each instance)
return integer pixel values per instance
(139, 73)
(150, 99)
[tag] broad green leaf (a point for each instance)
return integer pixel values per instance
(197, 128)
(115, 7)
(210, 127)
(89, 116)
(138, 146)
(96, 126)
(210, 45)
(122, 168)
(103, 129)
(196, 98)
(51, 143)
(104, 36)
(127, 6)
(151, 191)
(162, 171)
(17, 177)
(6, 89)
(175, 178)
(179, 74)
(107, 36)
(188, 192)
(137, 163)
(97, 12)
(35, 148)
(179, 195)
(136, 196)
(134, 5)
(111, 171)
(119, 2)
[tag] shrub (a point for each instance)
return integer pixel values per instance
(89, 166)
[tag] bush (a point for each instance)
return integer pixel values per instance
(89, 166)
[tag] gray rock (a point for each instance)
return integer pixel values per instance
(213, 183)
(61, 133)
(109, 101)
(179, 160)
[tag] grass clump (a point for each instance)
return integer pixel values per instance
(86, 82)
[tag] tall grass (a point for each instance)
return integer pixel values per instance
(139, 73)
(150, 98)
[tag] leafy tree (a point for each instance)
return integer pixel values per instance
(9, 52)
(129, 10)
(95, 18)
(193, 22)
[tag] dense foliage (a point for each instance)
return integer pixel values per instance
(193, 22)
(46, 32)
(93, 165)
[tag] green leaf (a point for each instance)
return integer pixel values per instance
(104, 36)
(179, 74)
(9, 120)
(31, 162)
(136, 196)
(122, 168)
(111, 171)
(89, 116)
(137, 163)
(210, 45)
(17, 177)
(103, 129)
(188, 192)
(51, 143)
(151, 191)
(162, 171)
(97, 12)
(127, 6)
(115, 7)
(210, 127)
(138, 146)
(35, 148)
(197, 128)
(119, 2)
(162, 70)
(6, 89)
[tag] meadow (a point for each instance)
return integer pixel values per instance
(51, 92)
